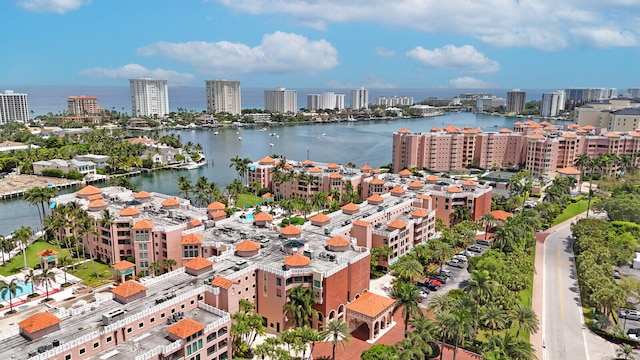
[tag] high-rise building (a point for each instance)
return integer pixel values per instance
(326, 100)
(516, 99)
(341, 101)
(13, 107)
(360, 98)
(579, 96)
(633, 92)
(552, 103)
(82, 105)
(281, 100)
(223, 96)
(149, 97)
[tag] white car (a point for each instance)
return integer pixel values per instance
(460, 257)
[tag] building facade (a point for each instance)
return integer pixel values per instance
(552, 103)
(515, 101)
(579, 96)
(83, 105)
(360, 98)
(149, 97)
(281, 101)
(223, 96)
(14, 107)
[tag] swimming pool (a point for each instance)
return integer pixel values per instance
(26, 289)
(247, 218)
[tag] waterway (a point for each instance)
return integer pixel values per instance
(358, 142)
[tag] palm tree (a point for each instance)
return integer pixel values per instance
(32, 196)
(488, 221)
(582, 163)
(300, 306)
(241, 165)
(31, 277)
(337, 332)
(493, 317)
(441, 252)
(511, 347)
(46, 277)
(440, 303)
(6, 245)
(460, 213)
(525, 318)
(169, 264)
(63, 262)
(407, 297)
(184, 186)
(453, 326)
(625, 351)
(22, 237)
(479, 287)
(408, 269)
(10, 289)
(155, 267)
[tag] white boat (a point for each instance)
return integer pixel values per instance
(193, 165)
(240, 138)
(263, 129)
(215, 133)
(237, 132)
(271, 144)
(324, 134)
(278, 136)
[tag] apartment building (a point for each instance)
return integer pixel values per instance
(326, 100)
(281, 101)
(394, 101)
(360, 98)
(599, 113)
(149, 97)
(83, 105)
(552, 103)
(223, 96)
(82, 166)
(516, 99)
(14, 107)
(578, 96)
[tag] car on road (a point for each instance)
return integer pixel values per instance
(616, 274)
(633, 334)
(630, 314)
(445, 272)
(456, 264)
(460, 257)
(475, 249)
(442, 279)
(483, 242)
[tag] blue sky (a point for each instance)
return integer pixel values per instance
(530, 44)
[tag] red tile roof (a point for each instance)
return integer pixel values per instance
(612, 134)
(315, 170)
(185, 328)
(263, 216)
(290, 230)
(219, 213)
(398, 190)
(39, 321)
(454, 189)
(128, 288)
(123, 265)
(198, 263)
(505, 131)
(569, 135)
(366, 167)
(404, 131)
(320, 217)
(247, 245)
(333, 166)
(88, 190)
(129, 211)
(424, 196)
(405, 172)
(501, 215)
(350, 207)
(216, 205)
(335, 176)
(375, 198)
(170, 202)
(47, 252)
(297, 260)
(267, 160)
(370, 304)
(221, 282)
(469, 183)
(142, 195)
(569, 171)
(397, 224)
(338, 241)
(536, 137)
(376, 181)
(143, 224)
(432, 178)
(360, 222)
(307, 162)
(416, 184)
(420, 213)
(95, 197)
(192, 239)
(435, 128)
(97, 204)
(195, 222)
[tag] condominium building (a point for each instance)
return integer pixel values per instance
(516, 99)
(486, 103)
(552, 103)
(281, 101)
(223, 96)
(633, 92)
(579, 96)
(394, 100)
(83, 105)
(149, 97)
(360, 98)
(599, 113)
(14, 107)
(326, 100)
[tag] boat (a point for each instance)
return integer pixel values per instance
(240, 138)
(263, 129)
(215, 133)
(324, 134)
(237, 132)
(193, 165)
(271, 144)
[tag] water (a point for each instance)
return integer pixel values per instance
(358, 142)
(26, 289)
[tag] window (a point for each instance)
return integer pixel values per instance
(212, 336)
(278, 293)
(192, 302)
(67, 357)
(140, 325)
(129, 330)
(82, 351)
(278, 281)
(211, 350)
(96, 345)
(182, 306)
(109, 338)
(162, 316)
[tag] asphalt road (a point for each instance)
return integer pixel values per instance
(563, 327)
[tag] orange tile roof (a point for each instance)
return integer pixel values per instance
(89, 190)
(589, 127)
(612, 134)
(366, 167)
(221, 282)
(404, 131)
(47, 252)
(128, 288)
(501, 215)
(267, 160)
(315, 170)
(39, 321)
(129, 211)
(267, 196)
(288, 166)
(569, 171)
(469, 183)
(198, 263)
(95, 197)
(335, 176)
(432, 178)
(435, 128)
(397, 224)
(290, 230)
(536, 137)
(505, 131)
(420, 213)
(538, 131)
(307, 162)
(573, 126)
(581, 131)
(263, 216)
(195, 222)
(376, 181)
(350, 207)
(170, 202)
(216, 205)
(361, 222)
(247, 245)
(550, 128)
(338, 241)
(415, 184)
(454, 189)
(569, 135)
(219, 213)
(405, 172)
(297, 260)
(545, 123)
(320, 217)
(423, 196)
(143, 224)
(634, 134)
(370, 304)
(375, 197)
(333, 166)
(142, 195)
(398, 190)
(185, 328)
(123, 265)
(97, 204)
(517, 123)
(192, 239)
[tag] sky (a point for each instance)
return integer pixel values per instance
(422, 44)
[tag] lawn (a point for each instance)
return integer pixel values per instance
(14, 265)
(88, 275)
(570, 211)
(247, 200)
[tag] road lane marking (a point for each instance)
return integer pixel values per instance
(558, 252)
(561, 263)
(560, 294)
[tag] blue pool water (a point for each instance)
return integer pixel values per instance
(26, 289)
(249, 216)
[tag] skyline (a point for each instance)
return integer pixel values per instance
(306, 44)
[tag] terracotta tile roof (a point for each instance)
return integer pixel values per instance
(221, 282)
(404, 131)
(435, 128)
(94, 197)
(536, 137)
(375, 198)
(420, 213)
(170, 202)
(97, 204)
(288, 166)
(307, 162)
(123, 265)
(376, 181)
(198, 263)
(47, 252)
(361, 222)
(338, 241)
(550, 128)
(397, 224)
(219, 213)
(634, 134)
(366, 167)
(142, 195)
(333, 166)
(370, 304)
(129, 211)
(469, 183)
(423, 196)
(581, 131)
(39, 321)
(320, 218)
(139, 140)
(216, 205)
(290, 230)
(405, 172)
(454, 189)
(545, 123)
(612, 134)
(505, 131)
(569, 135)
(128, 288)
(416, 184)
(195, 222)
(335, 176)
(143, 224)
(267, 196)
(398, 190)
(501, 215)
(517, 123)
(589, 127)
(569, 171)
(88, 190)
(267, 160)
(432, 178)
(538, 131)
(297, 260)
(263, 216)
(350, 207)
(185, 328)
(247, 245)
(315, 170)
(192, 239)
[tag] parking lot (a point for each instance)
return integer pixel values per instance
(628, 323)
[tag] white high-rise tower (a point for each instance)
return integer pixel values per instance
(149, 97)
(13, 107)
(223, 96)
(360, 98)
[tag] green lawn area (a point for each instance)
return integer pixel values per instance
(88, 275)
(247, 200)
(572, 210)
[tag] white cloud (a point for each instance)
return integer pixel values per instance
(52, 6)
(132, 71)
(337, 84)
(279, 53)
(382, 52)
(541, 24)
(468, 83)
(463, 59)
(605, 37)
(375, 82)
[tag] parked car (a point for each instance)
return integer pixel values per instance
(456, 264)
(616, 274)
(460, 258)
(475, 249)
(423, 294)
(422, 284)
(442, 279)
(630, 314)
(633, 334)
(483, 242)
(445, 272)
(434, 281)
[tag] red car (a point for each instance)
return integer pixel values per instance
(434, 281)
